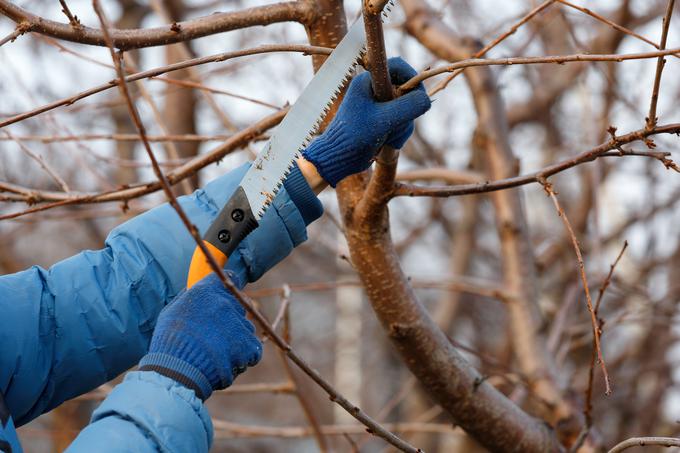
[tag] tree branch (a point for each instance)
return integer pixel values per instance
(660, 63)
(645, 442)
(307, 50)
(602, 150)
(301, 12)
(557, 59)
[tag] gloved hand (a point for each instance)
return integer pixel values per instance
(203, 339)
(362, 125)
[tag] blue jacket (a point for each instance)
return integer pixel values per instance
(70, 328)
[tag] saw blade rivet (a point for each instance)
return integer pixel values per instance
(224, 236)
(237, 215)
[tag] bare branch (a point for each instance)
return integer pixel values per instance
(307, 50)
(645, 442)
(226, 430)
(556, 59)
(39, 159)
(516, 181)
(612, 24)
(530, 15)
(20, 29)
(660, 63)
(581, 267)
(301, 12)
(72, 20)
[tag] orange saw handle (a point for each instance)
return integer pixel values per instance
(231, 226)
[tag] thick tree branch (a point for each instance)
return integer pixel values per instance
(378, 191)
(449, 380)
(301, 11)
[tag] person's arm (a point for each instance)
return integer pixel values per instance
(191, 333)
(75, 326)
(201, 343)
(70, 328)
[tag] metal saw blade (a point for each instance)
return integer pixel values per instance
(263, 180)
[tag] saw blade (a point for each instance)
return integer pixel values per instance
(265, 177)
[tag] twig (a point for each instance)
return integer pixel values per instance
(226, 430)
(588, 406)
(557, 59)
(304, 405)
(190, 84)
(119, 138)
(581, 267)
(102, 392)
(73, 20)
(20, 29)
(660, 63)
(614, 25)
(283, 308)
(39, 159)
(645, 442)
(530, 15)
(481, 287)
(607, 280)
(307, 50)
(355, 411)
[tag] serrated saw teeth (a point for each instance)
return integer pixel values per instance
(265, 177)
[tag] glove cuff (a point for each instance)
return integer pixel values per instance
(178, 370)
(302, 195)
(328, 155)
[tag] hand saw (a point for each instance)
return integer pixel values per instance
(265, 176)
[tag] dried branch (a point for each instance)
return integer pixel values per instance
(236, 141)
(307, 50)
(20, 29)
(651, 119)
(212, 24)
(557, 59)
(645, 442)
(226, 430)
(72, 20)
(468, 285)
(39, 159)
(608, 279)
(581, 267)
(447, 175)
(118, 137)
(602, 150)
(511, 31)
(612, 24)
(588, 406)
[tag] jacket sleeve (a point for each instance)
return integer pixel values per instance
(70, 328)
(147, 412)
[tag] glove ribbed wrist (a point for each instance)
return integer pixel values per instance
(329, 155)
(302, 195)
(178, 370)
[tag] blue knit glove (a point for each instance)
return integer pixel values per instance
(203, 339)
(362, 125)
